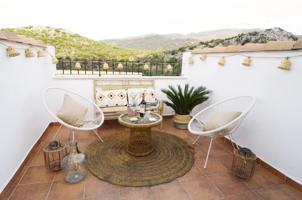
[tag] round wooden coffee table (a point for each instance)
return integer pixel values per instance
(140, 139)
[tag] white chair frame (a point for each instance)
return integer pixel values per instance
(212, 134)
(69, 126)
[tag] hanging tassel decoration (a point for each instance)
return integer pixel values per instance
(285, 64)
(146, 67)
(247, 61)
(203, 57)
(77, 66)
(54, 60)
(29, 53)
(191, 60)
(169, 68)
(221, 62)
(40, 53)
(105, 66)
(120, 66)
(12, 52)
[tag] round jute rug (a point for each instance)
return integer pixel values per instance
(109, 161)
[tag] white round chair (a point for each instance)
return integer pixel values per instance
(94, 118)
(197, 125)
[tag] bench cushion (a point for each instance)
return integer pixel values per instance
(135, 95)
(111, 98)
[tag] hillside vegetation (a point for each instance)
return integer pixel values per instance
(74, 46)
(153, 42)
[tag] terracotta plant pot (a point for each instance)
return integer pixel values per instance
(181, 121)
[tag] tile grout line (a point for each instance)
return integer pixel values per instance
(52, 182)
(179, 182)
(18, 183)
(84, 191)
(214, 185)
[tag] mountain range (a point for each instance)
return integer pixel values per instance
(174, 40)
(161, 48)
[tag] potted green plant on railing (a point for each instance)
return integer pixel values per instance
(183, 100)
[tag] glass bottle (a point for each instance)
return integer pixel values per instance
(142, 106)
(75, 170)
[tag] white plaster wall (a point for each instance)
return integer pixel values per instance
(23, 117)
(273, 129)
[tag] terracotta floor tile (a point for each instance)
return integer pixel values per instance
(107, 196)
(214, 166)
(38, 159)
(279, 192)
(65, 191)
(59, 175)
(31, 191)
(214, 182)
(136, 193)
(262, 178)
(248, 195)
(193, 174)
(201, 189)
(228, 184)
(37, 174)
(170, 191)
(95, 188)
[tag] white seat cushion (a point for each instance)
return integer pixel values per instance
(110, 98)
(220, 119)
(72, 112)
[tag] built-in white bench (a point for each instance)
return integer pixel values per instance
(113, 96)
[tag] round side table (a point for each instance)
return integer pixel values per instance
(140, 139)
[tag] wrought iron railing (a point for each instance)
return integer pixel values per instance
(97, 67)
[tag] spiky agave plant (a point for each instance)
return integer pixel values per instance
(183, 100)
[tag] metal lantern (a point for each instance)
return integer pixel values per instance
(12, 52)
(244, 162)
(54, 152)
(40, 53)
(120, 66)
(105, 66)
(77, 66)
(285, 64)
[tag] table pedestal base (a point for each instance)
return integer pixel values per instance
(140, 142)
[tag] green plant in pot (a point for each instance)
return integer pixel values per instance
(183, 100)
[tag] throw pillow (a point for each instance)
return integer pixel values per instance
(72, 112)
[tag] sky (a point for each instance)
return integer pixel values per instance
(105, 19)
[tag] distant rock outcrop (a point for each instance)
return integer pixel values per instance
(272, 34)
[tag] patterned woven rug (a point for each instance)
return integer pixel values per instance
(109, 161)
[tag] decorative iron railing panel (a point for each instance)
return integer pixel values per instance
(97, 67)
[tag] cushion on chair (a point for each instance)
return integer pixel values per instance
(110, 98)
(72, 112)
(220, 119)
